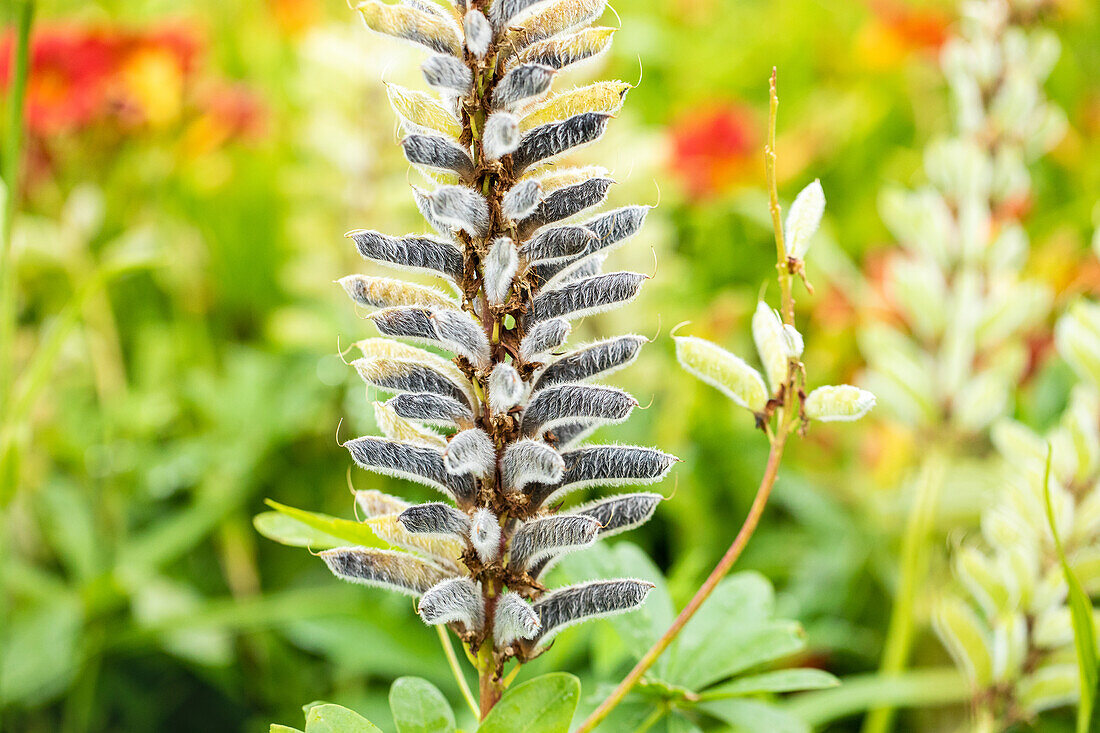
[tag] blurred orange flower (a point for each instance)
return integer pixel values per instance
(714, 150)
(897, 30)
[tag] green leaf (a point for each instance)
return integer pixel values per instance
(357, 533)
(336, 719)
(38, 651)
(783, 680)
(419, 707)
(752, 715)
(286, 530)
(542, 705)
(1084, 626)
(276, 728)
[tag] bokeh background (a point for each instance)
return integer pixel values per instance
(190, 170)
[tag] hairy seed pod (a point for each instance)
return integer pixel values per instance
(436, 151)
(557, 53)
(619, 513)
(501, 135)
(605, 465)
(566, 202)
(513, 619)
(564, 607)
(382, 348)
(398, 428)
(501, 265)
(521, 200)
(506, 388)
(598, 359)
(410, 252)
(444, 550)
(470, 452)
(564, 403)
(585, 297)
(374, 503)
(448, 74)
(522, 83)
(547, 535)
(722, 370)
(544, 337)
(383, 292)
(485, 535)
(424, 206)
(432, 409)
(455, 600)
(421, 112)
(554, 138)
(411, 24)
(502, 11)
(568, 434)
(398, 375)
(434, 518)
(398, 571)
(460, 207)
(603, 96)
(804, 218)
(554, 18)
(451, 329)
(417, 463)
(530, 461)
(615, 227)
(841, 403)
(776, 342)
(553, 244)
(479, 34)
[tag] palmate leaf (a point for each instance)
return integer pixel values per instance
(1084, 625)
(542, 705)
(330, 718)
(419, 707)
(323, 526)
(287, 530)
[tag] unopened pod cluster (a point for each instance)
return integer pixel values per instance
(516, 258)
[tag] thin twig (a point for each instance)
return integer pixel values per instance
(452, 661)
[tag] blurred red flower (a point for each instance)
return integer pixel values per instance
(712, 150)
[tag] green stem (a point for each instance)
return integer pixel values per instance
(785, 289)
(922, 688)
(914, 566)
(489, 687)
(652, 719)
(452, 661)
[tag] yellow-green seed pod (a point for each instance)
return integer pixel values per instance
(388, 529)
(422, 110)
(414, 25)
(603, 96)
(398, 428)
(722, 370)
(966, 637)
(838, 403)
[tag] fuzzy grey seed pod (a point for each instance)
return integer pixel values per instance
(462, 208)
(554, 138)
(399, 375)
(410, 252)
(502, 11)
(470, 452)
(615, 227)
(506, 388)
(460, 333)
(567, 49)
(620, 513)
(521, 200)
(501, 265)
(414, 462)
(397, 571)
(556, 244)
(384, 292)
(436, 151)
(448, 74)
(551, 535)
(544, 337)
(564, 607)
(598, 359)
(606, 465)
(485, 535)
(585, 297)
(453, 600)
(522, 83)
(568, 434)
(424, 206)
(431, 409)
(564, 403)
(479, 34)
(501, 135)
(529, 462)
(513, 619)
(435, 518)
(566, 202)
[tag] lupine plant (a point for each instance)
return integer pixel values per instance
(947, 362)
(1011, 626)
(496, 428)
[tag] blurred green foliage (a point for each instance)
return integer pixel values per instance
(178, 332)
